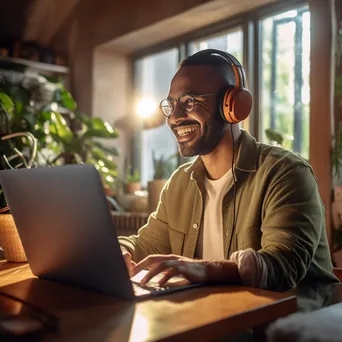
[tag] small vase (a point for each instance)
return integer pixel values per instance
(10, 241)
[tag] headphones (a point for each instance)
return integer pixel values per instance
(234, 102)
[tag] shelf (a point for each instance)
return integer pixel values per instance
(39, 66)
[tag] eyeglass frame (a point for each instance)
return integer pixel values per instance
(177, 100)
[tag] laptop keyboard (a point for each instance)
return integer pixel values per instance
(140, 289)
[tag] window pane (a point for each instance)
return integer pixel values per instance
(285, 72)
(154, 74)
(231, 42)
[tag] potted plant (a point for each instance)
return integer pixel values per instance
(44, 108)
(163, 169)
(132, 180)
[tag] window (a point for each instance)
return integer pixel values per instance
(153, 80)
(285, 71)
(281, 87)
(231, 42)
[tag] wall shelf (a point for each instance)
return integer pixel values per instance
(33, 65)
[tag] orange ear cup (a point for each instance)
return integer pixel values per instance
(236, 102)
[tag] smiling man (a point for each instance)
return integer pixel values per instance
(243, 212)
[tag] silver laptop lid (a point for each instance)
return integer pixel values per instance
(65, 226)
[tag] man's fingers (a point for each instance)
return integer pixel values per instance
(150, 261)
(168, 275)
(145, 263)
(162, 266)
(130, 267)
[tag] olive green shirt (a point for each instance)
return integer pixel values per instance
(278, 213)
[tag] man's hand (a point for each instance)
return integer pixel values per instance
(195, 271)
(128, 260)
(171, 265)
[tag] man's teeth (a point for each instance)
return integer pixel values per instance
(186, 130)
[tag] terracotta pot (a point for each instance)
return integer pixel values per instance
(154, 189)
(108, 190)
(10, 241)
(131, 187)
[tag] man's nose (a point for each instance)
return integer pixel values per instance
(179, 114)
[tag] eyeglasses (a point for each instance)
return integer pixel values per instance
(187, 102)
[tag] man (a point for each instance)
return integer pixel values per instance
(259, 223)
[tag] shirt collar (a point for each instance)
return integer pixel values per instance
(246, 160)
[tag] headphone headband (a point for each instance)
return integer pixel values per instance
(227, 56)
(235, 103)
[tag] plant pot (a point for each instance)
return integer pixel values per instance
(154, 189)
(108, 190)
(10, 241)
(131, 187)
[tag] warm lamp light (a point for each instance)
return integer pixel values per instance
(146, 108)
(148, 112)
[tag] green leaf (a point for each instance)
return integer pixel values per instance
(78, 158)
(21, 97)
(60, 128)
(100, 129)
(64, 98)
(19, 106)
(108, 149)
(31, 119)
(274, 136)
(52, 79)
(336, 151)
(338, 88)
(6, 103)
(102, 159)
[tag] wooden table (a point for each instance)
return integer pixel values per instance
(203, 313)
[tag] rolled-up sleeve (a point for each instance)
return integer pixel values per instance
(292, 224)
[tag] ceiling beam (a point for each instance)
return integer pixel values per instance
(183, 23)
(45, 17)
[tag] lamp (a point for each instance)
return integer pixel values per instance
(146, 111)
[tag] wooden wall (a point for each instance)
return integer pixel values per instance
(322, 104)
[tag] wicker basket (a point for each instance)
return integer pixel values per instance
(10, 241)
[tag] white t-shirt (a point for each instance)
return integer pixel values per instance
(252, 268)
(212, 222)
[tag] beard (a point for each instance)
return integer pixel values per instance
(212, 133)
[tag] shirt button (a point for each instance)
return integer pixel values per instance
(195, 225)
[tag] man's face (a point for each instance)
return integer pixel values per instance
(201, 130)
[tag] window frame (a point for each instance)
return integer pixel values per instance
(251, 24)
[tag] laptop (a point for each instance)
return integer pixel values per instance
(67, 232)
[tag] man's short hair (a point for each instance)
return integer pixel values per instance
(218, 62)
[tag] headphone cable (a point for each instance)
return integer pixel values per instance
(234, 189)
